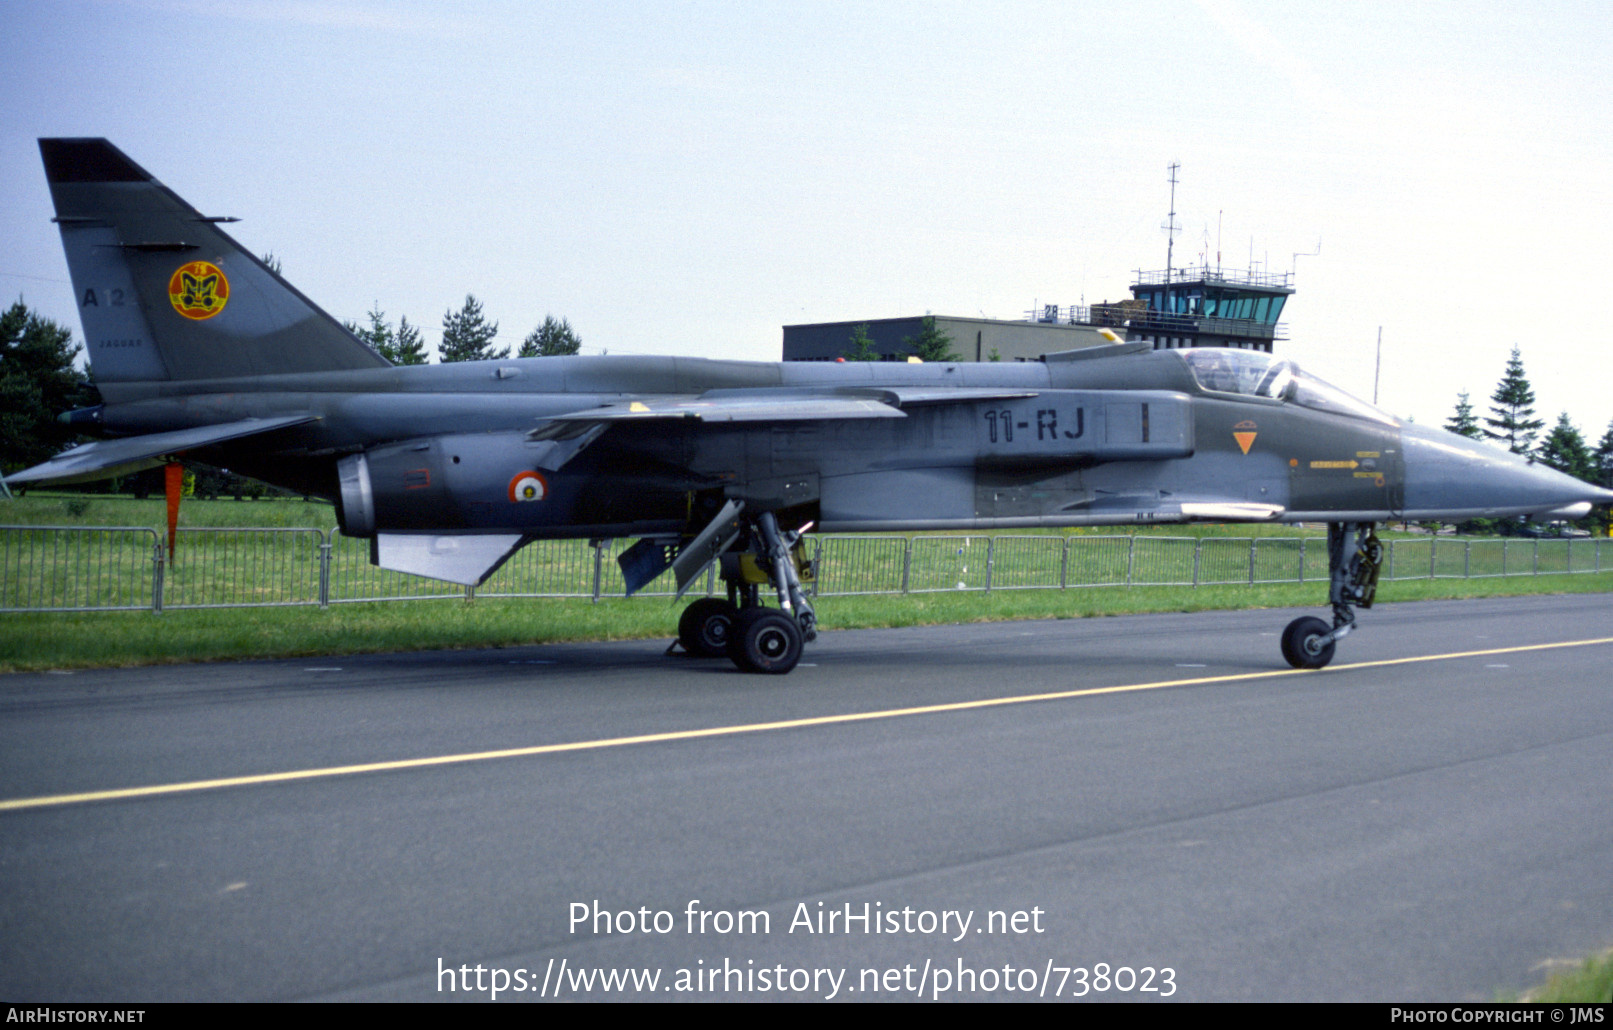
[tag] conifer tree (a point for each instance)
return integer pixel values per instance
(862, 345)
(377, 336)
(467, 336)
(1512, 407)
(1463, 422)
(1603, 457)
(930, 343)
(551, 339)
(37, 382)
(407, 348)
(401, 347)
(1564, 449)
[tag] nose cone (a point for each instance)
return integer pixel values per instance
(1452, 477)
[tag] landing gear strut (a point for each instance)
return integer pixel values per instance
(1353, 558)
(755, 637)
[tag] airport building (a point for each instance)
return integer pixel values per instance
(1184, 307)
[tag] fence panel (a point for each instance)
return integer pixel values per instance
(1278, 559)
(1027, 562)
(948, 563)
(1316, 559)
(862, 565)
(1100, 561)
(1582, 555)
(1518, 557)
(1409, 559)
(1224, 560)
(71, 568)
(554, 568)
(1451, 557)
(1162, 561)
(1552, 557)
(353, 578)
(1486, 558)
(242, 568)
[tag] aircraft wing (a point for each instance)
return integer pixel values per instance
(102, 459)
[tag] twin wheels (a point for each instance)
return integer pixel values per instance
(756, 639)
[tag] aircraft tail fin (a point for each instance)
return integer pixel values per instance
(165, 294)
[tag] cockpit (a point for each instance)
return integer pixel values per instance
(1256, 374)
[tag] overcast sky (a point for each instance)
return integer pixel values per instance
(687, 178)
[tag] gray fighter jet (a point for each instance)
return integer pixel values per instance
(200, 351)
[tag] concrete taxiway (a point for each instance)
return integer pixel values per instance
(1426, 820)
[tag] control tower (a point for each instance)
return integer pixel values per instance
(1202, 307)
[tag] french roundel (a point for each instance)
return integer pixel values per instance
(528, 486)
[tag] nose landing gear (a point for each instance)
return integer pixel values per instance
(1354, 555)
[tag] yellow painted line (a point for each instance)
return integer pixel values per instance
(158, 790)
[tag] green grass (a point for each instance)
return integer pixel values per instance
(52, 508)
(1588, 983)
(32, 641)
(1591, 982)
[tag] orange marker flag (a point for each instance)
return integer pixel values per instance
(173, 484)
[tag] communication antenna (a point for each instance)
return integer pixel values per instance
(1170, 234)
(1293, 268)
(1376, 364)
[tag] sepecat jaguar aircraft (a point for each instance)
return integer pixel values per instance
(201, 352)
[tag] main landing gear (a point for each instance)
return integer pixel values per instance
(1353, 558)
(755, 637)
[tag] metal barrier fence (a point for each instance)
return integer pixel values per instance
(71, 568)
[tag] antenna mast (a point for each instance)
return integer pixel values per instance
(1170, 236)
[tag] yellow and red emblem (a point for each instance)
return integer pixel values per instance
(198, 290)
(528, 486)
(1244, 433)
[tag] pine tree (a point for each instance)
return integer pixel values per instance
(862, 345)
(551, 339)
(1604, 457)
(1463, 422)
(407, 349)
(1513, 407)
(1564, 449)
(377, 336)
(930, 343)
(402, 347)
(467, 336)
(37, 383)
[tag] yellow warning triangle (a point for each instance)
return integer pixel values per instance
(1245, 440)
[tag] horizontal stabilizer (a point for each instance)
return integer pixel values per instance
(104, 459)
(466, 558)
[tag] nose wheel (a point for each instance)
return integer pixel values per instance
(1308, 643)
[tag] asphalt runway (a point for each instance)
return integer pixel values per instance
(1154, 800)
